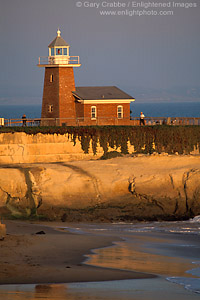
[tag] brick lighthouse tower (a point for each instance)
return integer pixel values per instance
(58, 104)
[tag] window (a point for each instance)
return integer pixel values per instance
(119, 112)
(59, 51)
(93, 112)
(52, 52)
(51, 78)
(50, 108)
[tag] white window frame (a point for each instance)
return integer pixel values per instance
(51, 78)
(119, 112)
(93, 113)
(50, 108)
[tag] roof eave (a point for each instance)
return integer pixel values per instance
(106, 101)
(77, 96)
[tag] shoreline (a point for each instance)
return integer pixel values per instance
(54, 256)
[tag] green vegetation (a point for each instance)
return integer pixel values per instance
(111, 154)
(145, 139)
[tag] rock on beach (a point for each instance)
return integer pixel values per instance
(2, 231)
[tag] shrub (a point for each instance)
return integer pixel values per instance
(145, 139)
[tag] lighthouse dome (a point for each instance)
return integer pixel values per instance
(58, 41)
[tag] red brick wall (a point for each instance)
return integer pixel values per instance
(79, 110)
(59, 93)
(107, 110)
(50, 93)
(66, 98)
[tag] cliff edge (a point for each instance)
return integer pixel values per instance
(122, 189)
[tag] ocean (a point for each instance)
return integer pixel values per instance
(162, 109)
(16, 111)
(154, 242)
(170, 250)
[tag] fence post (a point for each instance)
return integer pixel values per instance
(168, 121)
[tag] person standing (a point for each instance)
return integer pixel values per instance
(24, 120)
(142, 116)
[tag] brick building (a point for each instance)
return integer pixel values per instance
(106, 105)
(63, 103)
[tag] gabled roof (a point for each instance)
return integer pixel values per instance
(100, 92)
(58, 42)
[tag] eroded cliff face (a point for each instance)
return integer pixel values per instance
(20, 148)
(123, 189)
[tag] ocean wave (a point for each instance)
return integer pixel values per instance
(195, 219)
(195, 272)
(191, 284)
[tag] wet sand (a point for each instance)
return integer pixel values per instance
(53, 257)
(49, 266)
(160, 254)
(145, 289)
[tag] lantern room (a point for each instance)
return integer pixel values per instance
(59, 50)
(59, 54)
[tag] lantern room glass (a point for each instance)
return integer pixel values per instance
(58, 51)
(52, 52)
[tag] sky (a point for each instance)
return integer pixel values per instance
(152, 56)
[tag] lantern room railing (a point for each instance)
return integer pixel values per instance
(59, 60)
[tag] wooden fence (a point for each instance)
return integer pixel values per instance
(99, 121)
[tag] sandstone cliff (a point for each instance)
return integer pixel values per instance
(127, 188)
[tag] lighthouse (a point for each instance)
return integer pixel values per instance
(58, 103)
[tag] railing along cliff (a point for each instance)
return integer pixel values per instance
(149, 121)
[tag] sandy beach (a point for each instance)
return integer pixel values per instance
(53, 257)
(50, 261)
